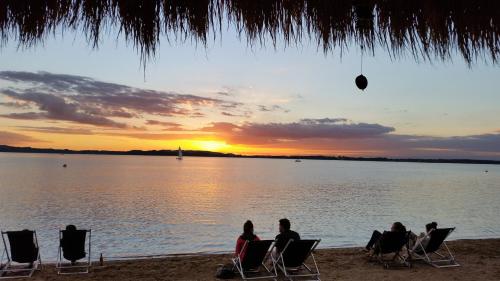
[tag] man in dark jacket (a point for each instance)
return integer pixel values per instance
(285, 235)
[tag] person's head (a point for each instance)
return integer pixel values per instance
(70, 227)
(398, 227)
(248, 228)
(284, 225)
(431, 226)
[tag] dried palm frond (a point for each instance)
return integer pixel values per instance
(427, 29)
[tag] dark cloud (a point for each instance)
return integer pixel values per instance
(341, 136)
(229, 114)
(24, 116)
(160, 136)
(272, 108)
(16, 104)
(10, 138)
(486, 146)
(249, 133)
(478, 143)
(227, 91)
(171, 126)
(223, 93)
(85, 100)
(245, 114)
(57, 108)
(58, 130)
(324, 120)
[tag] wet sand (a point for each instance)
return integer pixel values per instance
(480, 260)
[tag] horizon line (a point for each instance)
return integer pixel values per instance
(207, 153)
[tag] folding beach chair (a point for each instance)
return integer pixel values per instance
(436, 243)
(72, 248)
(24, 257)
(392, 243)
(292, 260)
(256, 253)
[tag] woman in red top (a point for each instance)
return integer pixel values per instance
(247, 235)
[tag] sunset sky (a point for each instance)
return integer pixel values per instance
(232, 97)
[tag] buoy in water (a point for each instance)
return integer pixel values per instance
(64, 165)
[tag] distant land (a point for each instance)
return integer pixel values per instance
(200, 153)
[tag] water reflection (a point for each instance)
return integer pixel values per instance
(152, 205)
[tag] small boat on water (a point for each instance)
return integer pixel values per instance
(179, 154)
(298, 160)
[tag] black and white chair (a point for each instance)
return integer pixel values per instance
(74, 246)
(392, 243)
(21, 255)
(435, 252)
(250, 263)
(292, 260)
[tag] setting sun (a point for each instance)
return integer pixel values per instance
(210, 145)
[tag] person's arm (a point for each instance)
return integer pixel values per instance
(421, 242)
(239, 245)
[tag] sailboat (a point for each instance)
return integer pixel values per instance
(179, 155)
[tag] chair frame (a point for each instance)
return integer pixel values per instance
(405, 262)
(427, 256)
(313, 270)
(62, 266)
(9, 268)
(238, 264)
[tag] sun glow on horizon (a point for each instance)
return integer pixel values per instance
(210, 145)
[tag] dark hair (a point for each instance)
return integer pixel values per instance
(432, 225)
(285, 223)
(248, 231)
(399, 227)
(70, 227)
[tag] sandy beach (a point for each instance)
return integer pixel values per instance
(480, 260)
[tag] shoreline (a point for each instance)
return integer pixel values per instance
(211, 154)
(479, 259)
(95, 257)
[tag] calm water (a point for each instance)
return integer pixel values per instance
(158, 205)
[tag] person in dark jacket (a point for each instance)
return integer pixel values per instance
(376, 235)
(285, 235)
(68, 247)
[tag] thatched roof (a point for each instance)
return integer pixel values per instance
(427, 29)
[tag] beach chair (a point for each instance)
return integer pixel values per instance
(22, 254)
(256, 253)
(392, 243)
(72, 248)
(292, 260)
(431, 252)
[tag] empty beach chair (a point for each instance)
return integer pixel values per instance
(72, 247)
(436, 252)
(292, 260)
(392, 243)
(250, 263)
(21, 254)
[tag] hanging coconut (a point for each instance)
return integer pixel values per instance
(361, 82)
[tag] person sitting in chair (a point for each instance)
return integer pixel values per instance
(64, 242)
(376, 235)
(247, 235)
(423, 238)
(285, 235)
